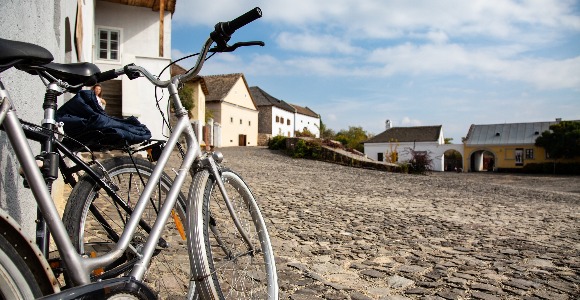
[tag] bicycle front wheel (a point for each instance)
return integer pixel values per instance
(226, 266)
(95, 222)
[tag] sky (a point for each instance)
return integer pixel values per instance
(417, 63)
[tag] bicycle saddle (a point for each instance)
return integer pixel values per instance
(73, 74)
(32, 58)
(14, 53)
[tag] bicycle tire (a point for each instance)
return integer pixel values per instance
(169, 271)
(238, 274)
(16, 278)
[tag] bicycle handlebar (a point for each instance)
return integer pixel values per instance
(221, 35)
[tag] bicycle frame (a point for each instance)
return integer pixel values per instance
(79, 267)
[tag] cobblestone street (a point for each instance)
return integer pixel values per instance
(346, 233)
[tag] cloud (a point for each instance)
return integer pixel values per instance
(380, 19)
(406, 121)
(315, 43)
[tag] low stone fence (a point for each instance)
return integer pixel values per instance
(340, 156)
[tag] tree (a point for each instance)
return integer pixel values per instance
(563, 141)
(325, 132)
(448, 140)
(186, 97)
(352, 138)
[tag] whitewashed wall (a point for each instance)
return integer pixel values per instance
(40, 22)
(313, 124)
(139, 28)
(282, 129)
(435, 149)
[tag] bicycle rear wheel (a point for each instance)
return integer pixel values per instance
(95, 221)
(223, 263)
(16, 279)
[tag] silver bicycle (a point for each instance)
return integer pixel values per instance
(128, 232)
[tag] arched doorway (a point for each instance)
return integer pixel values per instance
(482, 161)
(453, 160)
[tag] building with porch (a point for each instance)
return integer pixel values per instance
(505, 147)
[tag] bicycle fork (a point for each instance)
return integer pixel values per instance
(218, 179)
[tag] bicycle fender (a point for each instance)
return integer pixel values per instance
(30, 252)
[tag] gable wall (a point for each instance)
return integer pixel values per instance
(239, 95)
(313, 124)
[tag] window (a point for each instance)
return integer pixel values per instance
(277, 119)
(380, 156)
(231, 120)
(529, 153)
(288, 121)
(282, 120)
(108, 45)
(240, 121)
(249, 123)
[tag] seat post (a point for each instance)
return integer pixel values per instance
(48, 160)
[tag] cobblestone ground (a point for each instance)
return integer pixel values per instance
(345, 233)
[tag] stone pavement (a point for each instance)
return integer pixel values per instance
(346, 233)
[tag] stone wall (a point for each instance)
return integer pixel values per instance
(263, 139)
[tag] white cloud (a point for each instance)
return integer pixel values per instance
(315, 43)
(406, 121)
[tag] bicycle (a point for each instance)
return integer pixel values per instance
(228, 249)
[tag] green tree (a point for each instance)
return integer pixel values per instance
(186, 97)
(448, 140)
(563, 141)
(325, 132)
(353, 137)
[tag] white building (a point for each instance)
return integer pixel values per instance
(277, 117)
(306, 118)
(403, 140)
(131, 33)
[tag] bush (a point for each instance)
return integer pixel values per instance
(277, 143)
(304, 149)
(420, 162)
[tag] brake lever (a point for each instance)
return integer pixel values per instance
(236, 46)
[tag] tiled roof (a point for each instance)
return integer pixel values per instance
(177, 69)
(220, 85)
(305, 111)
(408, 134)
(506, 134)
(264, 99)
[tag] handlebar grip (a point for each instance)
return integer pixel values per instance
(243, 20)
(108, 75)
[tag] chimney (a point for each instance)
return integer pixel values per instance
(388, 124)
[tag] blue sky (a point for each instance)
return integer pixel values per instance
(418, 63)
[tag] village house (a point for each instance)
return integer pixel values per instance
(136, 32)
(230, 102)
(396, 144)
(276, 116)
(306, 119)
(279, 118)
(505, 147)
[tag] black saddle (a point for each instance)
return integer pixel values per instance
(33, 58)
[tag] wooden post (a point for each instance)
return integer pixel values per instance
(161, 17)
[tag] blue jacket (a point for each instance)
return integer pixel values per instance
(83, 114)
